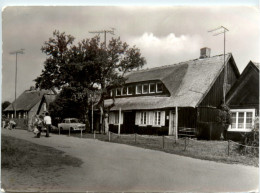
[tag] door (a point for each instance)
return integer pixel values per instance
(172, 123)
(129, 122)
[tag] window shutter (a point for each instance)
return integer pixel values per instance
(137, 118)
(122, 118)
(162, 118)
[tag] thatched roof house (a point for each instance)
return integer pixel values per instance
(179, 95)
(26, 104)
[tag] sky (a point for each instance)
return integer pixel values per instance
(164, 34)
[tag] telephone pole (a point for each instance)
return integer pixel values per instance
(222, 30)
(105, 41)
(105, 34)
(21, 51)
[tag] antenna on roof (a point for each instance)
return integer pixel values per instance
(112, 32)
(222, 30)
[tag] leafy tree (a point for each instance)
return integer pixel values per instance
(88, 66)
(5, 104)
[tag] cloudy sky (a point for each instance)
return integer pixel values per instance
(165, 35)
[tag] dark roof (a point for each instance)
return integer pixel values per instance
(256, 64)
(27, 100)
(249, 78)
(188, 82)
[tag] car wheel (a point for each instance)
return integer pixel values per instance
(61, 130)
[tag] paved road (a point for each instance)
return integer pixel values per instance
(118, 167)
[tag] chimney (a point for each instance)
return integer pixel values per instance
(32, 88)
(204, 52)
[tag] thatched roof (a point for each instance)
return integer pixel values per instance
(27, 100)
(188, 82)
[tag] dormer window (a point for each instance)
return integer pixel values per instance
(129, 90)
(118, 92)
(138, 89)
(159, 87)
(152, 88)
(145, 88)
(124, 91)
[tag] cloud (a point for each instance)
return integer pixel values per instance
(162, 50)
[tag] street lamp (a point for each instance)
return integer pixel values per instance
(21, 51)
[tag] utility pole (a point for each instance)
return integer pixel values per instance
(105, 34)
(21, 51)
(105, 41)
(223, 30)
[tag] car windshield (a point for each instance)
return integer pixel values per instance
(74, 120)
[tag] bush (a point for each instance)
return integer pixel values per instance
(251, 139)
(209, 130)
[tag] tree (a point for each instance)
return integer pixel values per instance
(88, 66)
(5, 104)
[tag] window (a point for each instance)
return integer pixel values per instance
(116, 118)
(74, 121)
(152, 88)
(129, 90)
(138, 89)
(111, 93)
(124, 90)
(242, 119)
(118, 92)
(145, 88)
(143, 118)
(159, 87)
(44, 107)
(157, 118)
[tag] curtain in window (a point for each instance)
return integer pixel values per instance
(137, 118)
(111, 118)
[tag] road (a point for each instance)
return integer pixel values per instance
(119, 167)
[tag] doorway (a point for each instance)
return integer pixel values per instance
(172, 122)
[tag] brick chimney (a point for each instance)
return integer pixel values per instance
(204, 52)
(32, 88)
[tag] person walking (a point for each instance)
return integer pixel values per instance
(39, 124)
(47, 122)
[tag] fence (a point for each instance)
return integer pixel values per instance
(185, 144)
(170, 144)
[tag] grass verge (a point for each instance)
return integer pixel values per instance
(200, 149)
(21, 154)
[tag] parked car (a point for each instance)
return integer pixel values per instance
(71, 124)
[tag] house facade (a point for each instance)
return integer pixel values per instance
(26, 106)
(243, 100)
(165, 100)
(45, 103)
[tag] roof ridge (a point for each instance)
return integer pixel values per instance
(175, 64)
